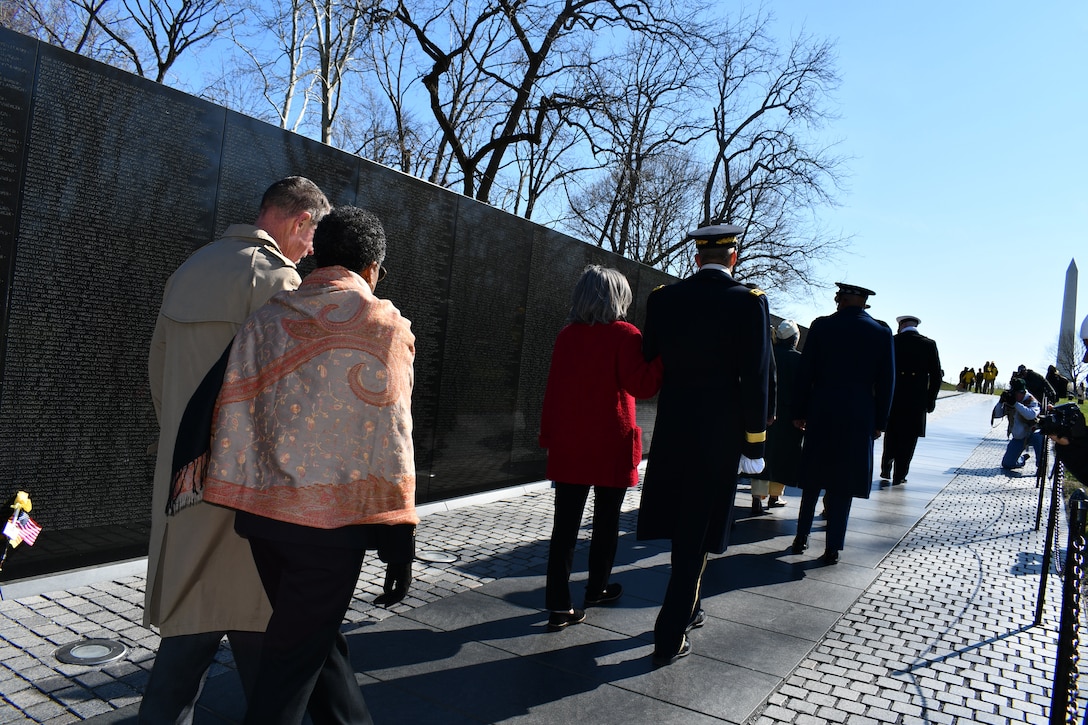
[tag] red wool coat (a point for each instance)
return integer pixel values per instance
(588, 422)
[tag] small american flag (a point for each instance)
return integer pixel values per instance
(28, 530)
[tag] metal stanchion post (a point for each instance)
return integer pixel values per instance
(1040, 481)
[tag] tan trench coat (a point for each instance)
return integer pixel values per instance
(200, 574)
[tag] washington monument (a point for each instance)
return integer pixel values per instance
(1067, 333)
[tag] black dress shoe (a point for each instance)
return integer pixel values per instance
(562, 620)
(901, 480)
(885, 475)
(829, 557)
(698, 620)
(799, 545)
(662, 660)
(611, 593)
(775, 502)
(757, 506)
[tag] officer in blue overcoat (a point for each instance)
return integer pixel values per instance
(713, 336)
(842, 399)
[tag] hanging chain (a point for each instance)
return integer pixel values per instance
(1058, 476)
(1078, 544)
(1074, 649)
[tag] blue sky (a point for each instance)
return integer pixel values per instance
(967, 197)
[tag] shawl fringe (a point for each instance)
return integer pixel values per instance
(187, 485)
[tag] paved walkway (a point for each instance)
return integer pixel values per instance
(926, 619)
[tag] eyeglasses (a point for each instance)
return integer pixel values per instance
(382, 271)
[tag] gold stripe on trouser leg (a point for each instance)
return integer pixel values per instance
(698, 588)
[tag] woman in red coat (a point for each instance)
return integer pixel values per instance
(588, 426)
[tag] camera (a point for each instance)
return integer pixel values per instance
(1008, 397)
(1063, 421)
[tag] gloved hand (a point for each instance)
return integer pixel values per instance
(398, 577)
(750, 465)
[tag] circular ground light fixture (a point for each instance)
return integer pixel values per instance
(437, 557)
(91, 652)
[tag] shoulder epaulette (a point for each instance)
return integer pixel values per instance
(655, 289)
(756, 291)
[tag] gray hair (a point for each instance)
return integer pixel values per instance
(296, 194)
(602, 295)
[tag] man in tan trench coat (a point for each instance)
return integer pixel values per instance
(202, 583)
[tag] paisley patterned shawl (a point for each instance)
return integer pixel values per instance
(313, 424)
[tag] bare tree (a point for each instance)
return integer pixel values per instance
(16, 17)
(299, 55)
(338, 30)
(383, 127)
(769, 172)
(168, 28)
(653, 209)
(145, 36)
(510, 63)
(74, 25)
(628, 121)
(270, 75)
(549, 165)
(462, 101)
(1069, 354)
(645, 120)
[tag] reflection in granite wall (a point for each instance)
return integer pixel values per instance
(108, 182)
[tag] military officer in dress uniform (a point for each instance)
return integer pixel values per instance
(841, 402)
(917, 382)
(713, 336)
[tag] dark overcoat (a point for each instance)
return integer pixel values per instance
(844, 393)
(917, 382)
(712, 334)
(783, 455)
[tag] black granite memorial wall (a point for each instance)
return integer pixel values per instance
(108, 182)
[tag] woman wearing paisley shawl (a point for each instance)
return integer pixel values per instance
(312, 445)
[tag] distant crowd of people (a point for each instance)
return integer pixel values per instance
(981, 381)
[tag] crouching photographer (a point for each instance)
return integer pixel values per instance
(1022, 410)
(1065, 426)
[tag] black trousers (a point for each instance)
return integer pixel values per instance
(181, 667)
(837, 504)
(898, 452)
(689, 555)
(570, 502)
(305, 656)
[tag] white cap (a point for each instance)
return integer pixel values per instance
(904, 318)
(786, 329)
